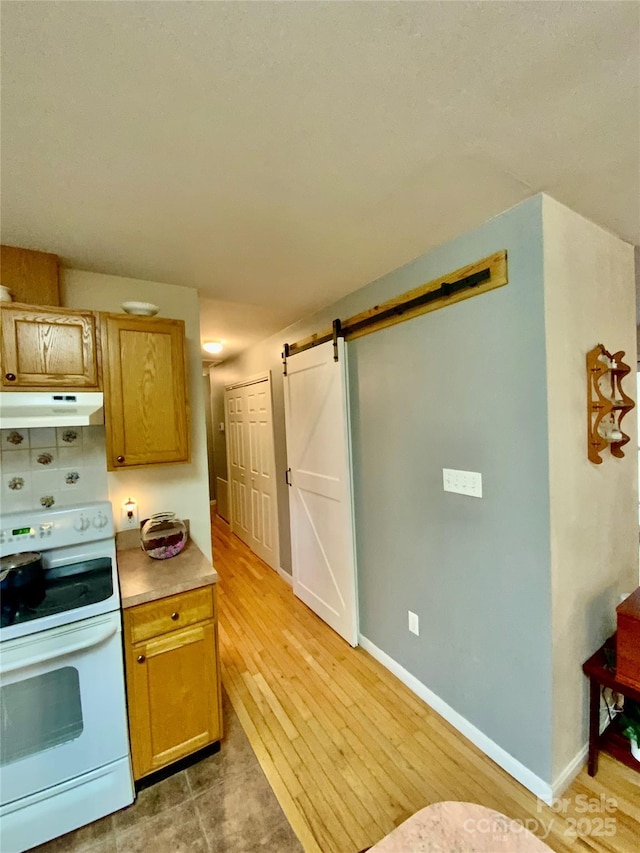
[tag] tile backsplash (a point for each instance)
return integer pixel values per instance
(52, 466)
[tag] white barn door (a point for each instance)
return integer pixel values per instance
(320, 497)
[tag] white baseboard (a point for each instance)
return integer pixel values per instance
(570, 772)
(285, 576)
(526, 777)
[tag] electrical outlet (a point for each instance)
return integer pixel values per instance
(129, 516)
(462, 482)
(414, 623)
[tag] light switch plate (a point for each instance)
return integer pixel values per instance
(414, 623)
(462, 482)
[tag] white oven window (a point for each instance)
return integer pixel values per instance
(39, 713)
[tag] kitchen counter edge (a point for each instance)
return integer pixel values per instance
(143, 579)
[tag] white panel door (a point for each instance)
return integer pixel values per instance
(263, 517)
(236, 450)
(320, 497)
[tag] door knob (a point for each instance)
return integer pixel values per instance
(141, 658)
(10, 376)
(119, 458)
(175, 616)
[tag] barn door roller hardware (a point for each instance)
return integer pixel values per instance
(445, 289)
(480, 277)
(285, 356)
(337, 331)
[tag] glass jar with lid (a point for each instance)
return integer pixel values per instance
(163, 535)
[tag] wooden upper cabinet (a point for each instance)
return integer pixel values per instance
(44, 348)
(32, 277)
(146, 403)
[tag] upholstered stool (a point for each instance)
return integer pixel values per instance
(462, 828)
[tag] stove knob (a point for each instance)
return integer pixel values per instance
(100, 520)
(81, 524)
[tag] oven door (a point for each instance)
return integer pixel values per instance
(62, 705)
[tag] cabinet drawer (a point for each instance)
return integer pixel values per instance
(169, 614)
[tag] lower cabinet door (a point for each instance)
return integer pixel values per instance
(173, 696)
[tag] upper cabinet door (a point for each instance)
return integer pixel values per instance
(32, 277)
(45, 348)
(147, 416)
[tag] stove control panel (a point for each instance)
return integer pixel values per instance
(18, 534)
(54, 528)
(81, 523)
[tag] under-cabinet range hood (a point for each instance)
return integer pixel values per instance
(25, 409)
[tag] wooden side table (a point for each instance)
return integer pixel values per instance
(603, 674)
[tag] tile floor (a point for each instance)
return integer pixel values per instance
(223, 804)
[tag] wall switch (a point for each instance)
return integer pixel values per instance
(414, 623)
(462, 482)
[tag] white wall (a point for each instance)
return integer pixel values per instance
(589, 299)
(183, 489)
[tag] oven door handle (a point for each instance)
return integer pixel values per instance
(50, 654)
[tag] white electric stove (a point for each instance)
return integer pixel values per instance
(64, 748)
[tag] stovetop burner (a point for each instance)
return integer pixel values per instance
(58, 599)
(89, 582)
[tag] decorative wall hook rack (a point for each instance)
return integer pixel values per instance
(607, 403)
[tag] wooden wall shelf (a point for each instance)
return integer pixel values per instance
(607, 403)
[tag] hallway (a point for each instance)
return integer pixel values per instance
(349, 750)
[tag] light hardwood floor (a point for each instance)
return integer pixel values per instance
(350, 751)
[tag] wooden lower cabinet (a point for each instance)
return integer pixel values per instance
(173, 684)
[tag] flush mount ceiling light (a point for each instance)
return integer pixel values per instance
(214, 347)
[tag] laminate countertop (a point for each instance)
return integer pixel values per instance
(143, 579)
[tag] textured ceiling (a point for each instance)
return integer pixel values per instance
(279, 155)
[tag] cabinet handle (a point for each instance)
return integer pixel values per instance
(141, 658)
(10, 376)
(175, 616)
(119, 458)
